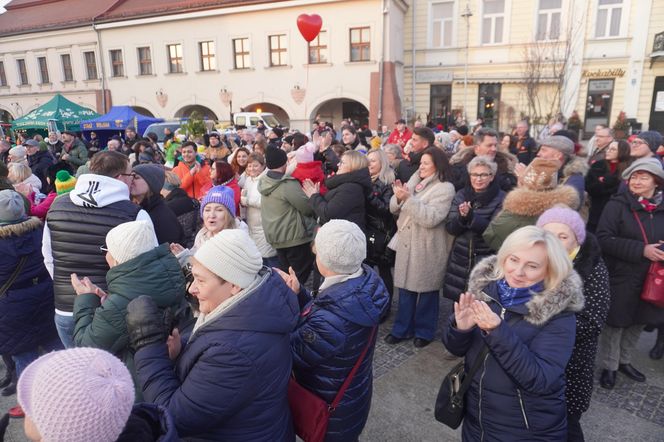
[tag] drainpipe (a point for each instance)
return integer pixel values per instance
(381, 69)
(101, 65)
(413, 60)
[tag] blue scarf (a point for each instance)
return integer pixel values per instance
(510, 296)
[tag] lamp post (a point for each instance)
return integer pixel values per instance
(466, 14)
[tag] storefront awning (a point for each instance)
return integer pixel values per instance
(503, 80)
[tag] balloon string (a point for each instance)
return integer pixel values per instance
(306, 90)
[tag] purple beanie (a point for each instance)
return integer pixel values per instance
(77, 395)
(567, 216)
(220, 195)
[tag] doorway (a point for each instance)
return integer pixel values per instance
(656, 121)
(598, 105)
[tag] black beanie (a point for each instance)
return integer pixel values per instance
(275, 158)
(153, 174)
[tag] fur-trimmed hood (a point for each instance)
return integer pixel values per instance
(504, 161)
(21, 228)
(527, 202)
(568, 296)
(576, 165)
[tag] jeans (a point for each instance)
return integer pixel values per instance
(65, 326)
(417, 315)
(616, 345)
(22, 360)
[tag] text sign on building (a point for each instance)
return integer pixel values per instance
(606, 73)
(433, 77)
(601, 86)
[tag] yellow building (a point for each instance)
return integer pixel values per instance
(505, 59)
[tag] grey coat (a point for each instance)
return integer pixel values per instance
(423, 244)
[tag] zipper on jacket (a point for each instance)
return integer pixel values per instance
(502, 316)
(523, 409)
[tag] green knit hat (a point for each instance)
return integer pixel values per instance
(64, 183)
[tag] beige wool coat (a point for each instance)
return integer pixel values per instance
(423, 244)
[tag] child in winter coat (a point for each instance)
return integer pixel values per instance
(307, 168)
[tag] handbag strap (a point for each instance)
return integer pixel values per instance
(468, 379)
(351, 375)
(14, 275)
(643, 231)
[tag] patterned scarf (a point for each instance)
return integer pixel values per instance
(515, 296)
(649, 205)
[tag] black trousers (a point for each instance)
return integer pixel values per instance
(301, 258)
(574, 430)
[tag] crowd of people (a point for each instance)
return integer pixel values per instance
(179, 291)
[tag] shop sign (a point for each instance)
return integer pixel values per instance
(600, 86)
(433, 77)
(606, 73)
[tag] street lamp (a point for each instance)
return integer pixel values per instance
(466, 14)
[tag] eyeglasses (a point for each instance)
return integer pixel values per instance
(103, 248)
(132, 175)
(481, 176)
(637, 142)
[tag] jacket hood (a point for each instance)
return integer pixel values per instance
(360, 176)
(21, 238)
(271, 307)
(568, 296)
(576, 165)
(21, 228)
(526, 202)
(311, 165)
(268, 183)
(359, 300)
(98, 191)
(149, 422)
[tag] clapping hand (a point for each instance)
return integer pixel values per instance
(83, 286)
(401, 191)
(290, 279)
(464, 209)
(310, 188)
(463, 313)
(174, 343)
(485, 318)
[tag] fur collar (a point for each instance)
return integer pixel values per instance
(504, 161)
(576, 165)
(21, 228)
(568, 296)
(526, 202)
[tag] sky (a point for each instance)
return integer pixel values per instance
(3, 3)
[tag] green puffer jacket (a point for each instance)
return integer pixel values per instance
(78, 154)
(287, 217)
(155, 273)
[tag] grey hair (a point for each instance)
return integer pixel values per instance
(386, 175)
(485, 161)
(394, 149)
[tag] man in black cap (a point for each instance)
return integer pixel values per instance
(39, 161)
(287, 217)
(400, 135)
(74, 152)
(131, 136)
(274, 137)
(646, 144)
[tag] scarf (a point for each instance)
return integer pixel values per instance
(650, 204)
(510, 296)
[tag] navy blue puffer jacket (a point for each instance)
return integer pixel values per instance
(518, 394)
(332, 333)
(231, 378)
(26, 310)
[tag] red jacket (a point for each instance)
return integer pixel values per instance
(311, 171)
(400, 138)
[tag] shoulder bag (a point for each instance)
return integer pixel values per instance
(5, 287)
(311, 414)
(449, 408)
(653, 286)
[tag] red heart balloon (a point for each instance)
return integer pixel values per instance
(309, 26)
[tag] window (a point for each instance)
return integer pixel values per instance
(22, 72)
(277, 50)
(117, 66)
(360, 44)
(493, 21)
(442, 21)
(175, 58)
(90, 65)
(487, 104)
(43, 70)
(67, 72)
(609, 13)
(318, 49)
(440, 102)
(3, 76)
(208, 61)
(548, 19)
(241, 51)
(144, 61)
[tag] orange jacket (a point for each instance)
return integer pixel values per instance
(195, 185)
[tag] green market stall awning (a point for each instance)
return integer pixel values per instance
(67, 115)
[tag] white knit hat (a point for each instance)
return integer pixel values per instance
(341, 246)
(127, 241)
(232, 255)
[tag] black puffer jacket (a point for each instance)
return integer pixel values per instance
(589, 322)
(166, 224)
(469, 246)
(186, 210)
(39, 164)
(407, 168)
(329, 159)
(601, 184)
(380, 222)
(345, 199)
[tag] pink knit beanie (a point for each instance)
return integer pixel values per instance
(77, 395)
(564, 215)
(305, 154)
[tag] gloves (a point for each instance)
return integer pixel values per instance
(146, 323)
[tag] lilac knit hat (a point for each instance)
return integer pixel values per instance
(220, 195)
(567, 216)
(77, 395)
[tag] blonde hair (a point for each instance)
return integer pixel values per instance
(386, 175)
(355, 160)
(18, 172)
(229, 219)
(559, 265)
(173, 179)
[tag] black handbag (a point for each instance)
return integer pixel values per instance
(449, 408)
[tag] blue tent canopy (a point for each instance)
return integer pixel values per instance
(117, 119)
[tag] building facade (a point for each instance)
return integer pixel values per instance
(503, 60)
(172, 58)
